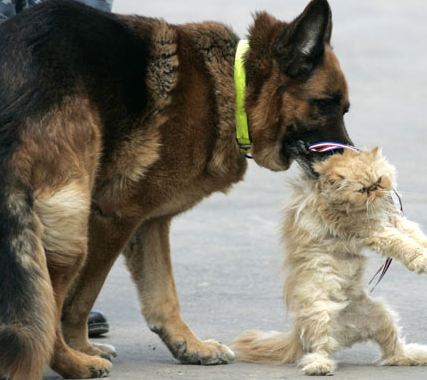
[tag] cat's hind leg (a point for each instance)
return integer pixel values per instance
(366, 318)
(413, 354)
(387, 335)
(315, 327)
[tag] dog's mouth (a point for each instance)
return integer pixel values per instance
(301, 153)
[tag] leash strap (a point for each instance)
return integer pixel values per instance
(328, 146)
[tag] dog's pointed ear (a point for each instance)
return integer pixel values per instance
(300, 45)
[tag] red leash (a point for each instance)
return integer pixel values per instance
(328, 146)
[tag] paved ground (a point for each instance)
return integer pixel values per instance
(226, 252)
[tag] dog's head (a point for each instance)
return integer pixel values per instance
(296, 90)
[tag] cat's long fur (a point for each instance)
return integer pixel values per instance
(328, 223)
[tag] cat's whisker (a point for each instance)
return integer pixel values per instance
(367, 209)
(368, 204)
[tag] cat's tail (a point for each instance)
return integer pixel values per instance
(267, 347)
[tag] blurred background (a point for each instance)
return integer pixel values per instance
(226, 252)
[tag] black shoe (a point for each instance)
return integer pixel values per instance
(97, 324)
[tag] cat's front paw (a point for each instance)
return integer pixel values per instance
(316, 364)
(419, 264)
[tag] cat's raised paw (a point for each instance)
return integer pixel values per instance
(315, 364)
(419, 264)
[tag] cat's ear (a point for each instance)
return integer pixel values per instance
(376, 152)
(320, 167)
(300, 46)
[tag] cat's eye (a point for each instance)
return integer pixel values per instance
(373, 187)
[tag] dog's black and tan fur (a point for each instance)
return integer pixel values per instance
(109, 127)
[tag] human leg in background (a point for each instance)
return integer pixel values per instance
(7, 10)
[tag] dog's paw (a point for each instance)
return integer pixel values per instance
(419, 264)
(207, 352)
(81, 366)
(316, 364)
(188, 348)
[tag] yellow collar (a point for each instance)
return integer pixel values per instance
(242, 130)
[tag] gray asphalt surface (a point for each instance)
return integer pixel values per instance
(226, 251)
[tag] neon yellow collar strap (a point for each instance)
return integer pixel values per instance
(242, 130)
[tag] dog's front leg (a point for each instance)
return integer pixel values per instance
(148, 259)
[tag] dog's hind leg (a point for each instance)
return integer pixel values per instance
(107, 236)
(64, 216)
(148, 259)
(27, 305)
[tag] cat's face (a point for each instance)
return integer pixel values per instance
(355, 180)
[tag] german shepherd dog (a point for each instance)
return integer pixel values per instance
(109, 127)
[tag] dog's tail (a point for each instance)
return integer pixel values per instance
(267, 347)
(27, 305)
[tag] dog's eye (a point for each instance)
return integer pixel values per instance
(321, 102)
(325, 105)
(325, 102)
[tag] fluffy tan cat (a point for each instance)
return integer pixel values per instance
(328, 222)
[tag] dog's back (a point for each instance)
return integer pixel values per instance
(61, 49)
